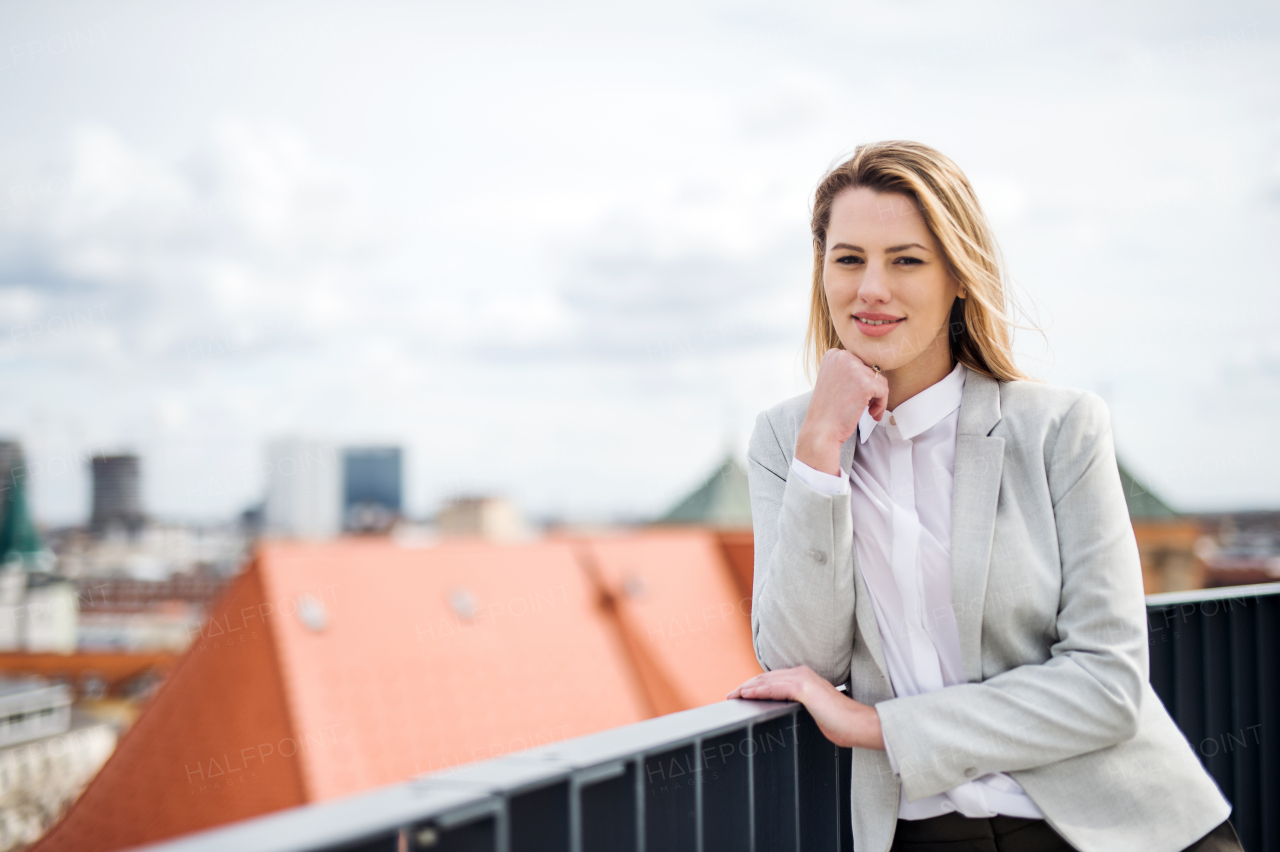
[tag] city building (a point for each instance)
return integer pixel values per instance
(48, 753)
(38, 612)
(492, 518)
(158, 551)
(144, 616)
(117, 495)
(371, 488)
(31, 707)
(1243, 549)
(52, 615)
(304, 489)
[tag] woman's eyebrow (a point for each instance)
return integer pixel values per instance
(890, 250)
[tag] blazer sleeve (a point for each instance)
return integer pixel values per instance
(1087, 695)
(802, 593)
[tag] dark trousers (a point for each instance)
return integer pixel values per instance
(956, 833)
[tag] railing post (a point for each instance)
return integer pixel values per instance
(698, 780)
(575, 815)
(751, 785)
(641, 817)
(795, 769)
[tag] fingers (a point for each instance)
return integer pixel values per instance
(879, 401)
(868, 378)
(792, 679)
(846, 387)
(752, 683)
(772, 691)
(779, 685)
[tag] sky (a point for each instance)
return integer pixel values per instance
(560, 251)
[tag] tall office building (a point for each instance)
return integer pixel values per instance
(304, 489)
(117, 494)
(372, 487)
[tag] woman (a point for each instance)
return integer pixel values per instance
(950, 542)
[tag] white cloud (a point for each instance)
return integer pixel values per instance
(252, 237)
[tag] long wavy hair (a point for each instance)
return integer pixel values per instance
(979, 327)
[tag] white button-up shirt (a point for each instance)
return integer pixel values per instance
(901, 502)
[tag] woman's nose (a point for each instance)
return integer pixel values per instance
(873, 287)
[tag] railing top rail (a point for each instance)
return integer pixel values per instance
(1220, 593)
(334, 823)
(651, 736)
(458, 794)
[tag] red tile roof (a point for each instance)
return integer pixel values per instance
(332, 668)
(679, 599)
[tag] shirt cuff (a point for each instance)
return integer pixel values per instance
(823, 483)
(888, 752)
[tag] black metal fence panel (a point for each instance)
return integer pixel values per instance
(774, 781)
(540, 819)
(671, 801)
(726, 792)
(1215, 663)
(608, 812)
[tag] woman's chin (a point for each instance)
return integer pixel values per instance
(873, 356)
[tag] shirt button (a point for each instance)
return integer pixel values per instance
(818, 556)
(970, 771)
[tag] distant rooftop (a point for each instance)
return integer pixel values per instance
(723, 500)
(1143, 505)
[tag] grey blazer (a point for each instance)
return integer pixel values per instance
(1047, 593)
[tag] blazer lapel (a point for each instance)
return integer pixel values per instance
(975, 493)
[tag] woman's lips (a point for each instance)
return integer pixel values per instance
(879, 325)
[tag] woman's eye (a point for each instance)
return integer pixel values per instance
(849, 259)
(910, 261)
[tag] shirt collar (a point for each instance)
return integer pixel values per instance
(922, 411)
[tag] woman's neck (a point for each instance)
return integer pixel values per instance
(925, 370)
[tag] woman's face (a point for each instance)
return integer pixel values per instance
(887, 286)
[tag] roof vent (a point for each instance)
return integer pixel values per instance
(635, 587)
(313, 613)
(463, 603)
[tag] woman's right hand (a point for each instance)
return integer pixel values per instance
(844, 388)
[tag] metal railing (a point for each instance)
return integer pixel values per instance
(738, 775)
(760, 776)
(1215, 663)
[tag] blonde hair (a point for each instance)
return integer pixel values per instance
(979, 325)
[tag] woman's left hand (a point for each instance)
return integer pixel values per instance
(841, 719)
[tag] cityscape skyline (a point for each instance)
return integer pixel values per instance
(297, 447)
(522, 276)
